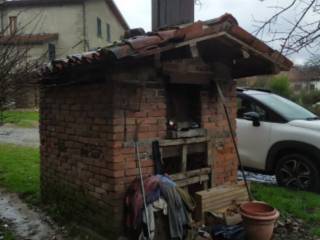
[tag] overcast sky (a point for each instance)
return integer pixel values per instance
(138, 13)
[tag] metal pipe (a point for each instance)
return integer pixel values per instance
(136, 144)
(84, 20)
(2, 17)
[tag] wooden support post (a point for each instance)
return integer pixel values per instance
(194, 50)
(184, 158)
(184, 161)
(210, 161)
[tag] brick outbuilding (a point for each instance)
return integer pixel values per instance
(155, 88)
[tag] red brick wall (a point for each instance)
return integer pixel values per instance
(225, 164)
(149, 116)
(77, 169)
(87, 146)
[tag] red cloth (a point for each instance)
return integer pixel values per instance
(134, 199)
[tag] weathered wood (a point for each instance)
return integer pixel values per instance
(220, 190)
(197, 132)
(185, 178)
(219, 198)
(184, 158)
(226, 37)
(192, 180)
(194, 50)
(175, 151)
(192, 173)
(223, 197)
(192, 177)
(187, 66)
(216, 196)
(176, 142)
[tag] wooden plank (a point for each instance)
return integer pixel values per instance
(217, 196)
(229, 37)
(209, 153)
(232, 195)
(224, 204)
(184, 158)
(175, 142)
(192, 173)
(189, 65)
(220, 190)
(192, 180)
(194, 50)
(210, 161)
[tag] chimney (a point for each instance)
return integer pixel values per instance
(171, 12)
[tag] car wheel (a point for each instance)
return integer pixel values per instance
(298, 172)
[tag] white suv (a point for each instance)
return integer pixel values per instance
(279, 137)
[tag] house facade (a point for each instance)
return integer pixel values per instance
(57, 28)
(304, 79)
(50, 29)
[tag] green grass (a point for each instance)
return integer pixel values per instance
(20, 171)
(25, 119)
(302, 205)
(7, 234)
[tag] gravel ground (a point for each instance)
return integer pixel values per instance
(290, 228)
(20, 136)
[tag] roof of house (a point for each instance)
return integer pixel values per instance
(19, 3)
(304, 73)
(28, 39)
(118, 14)
(111, 4)
(220, 39)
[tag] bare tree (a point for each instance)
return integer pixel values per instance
(303, 19)
(17, 71)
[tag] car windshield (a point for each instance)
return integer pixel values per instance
(285, 107)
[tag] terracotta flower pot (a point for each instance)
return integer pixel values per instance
(258, 219)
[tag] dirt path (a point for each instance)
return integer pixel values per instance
(19, 136)
(23, 222)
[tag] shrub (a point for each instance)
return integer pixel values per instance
(280, 85)
(310, 98)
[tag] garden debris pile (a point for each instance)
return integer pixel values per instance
(291, 228)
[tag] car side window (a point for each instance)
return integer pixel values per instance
(246, 105)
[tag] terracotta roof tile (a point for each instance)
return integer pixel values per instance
(166, 39)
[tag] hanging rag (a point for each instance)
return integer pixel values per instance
(145, 219)
(134, 200)
(177, 213)
(165, 179)
(159, 205)
(156, 187)
(187, 199)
